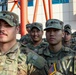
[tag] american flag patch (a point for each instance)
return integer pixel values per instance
(52, 69)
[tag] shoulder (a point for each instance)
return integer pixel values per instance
(29, 44)
(22, 37)
(68, 51)
(35, 59)
(22, 57)
(24, 49)
(21, 54)
(22, 66)
(73, 46)
(44, 44)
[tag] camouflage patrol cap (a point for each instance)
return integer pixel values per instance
(37, 25)
(67, 28)
(11, 18)
(54, 23)
(28, 25)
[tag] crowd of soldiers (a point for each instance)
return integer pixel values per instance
(34, 55)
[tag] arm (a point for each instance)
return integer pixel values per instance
(36, 64)
(22, 66)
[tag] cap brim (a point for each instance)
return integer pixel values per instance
(68, 31)
(35, 27)
(6, 20)
(52, 27)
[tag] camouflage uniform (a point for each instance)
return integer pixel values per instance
(25, 39)
(13, 61)
(67, 28)
(62, 62)
(74, 40)
(73, 46)
(34, 65)
(39, 48)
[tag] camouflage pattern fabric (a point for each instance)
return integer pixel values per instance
(38, 49)
(13, 62)
(44, 39)
(61, 63)
(37, 25)
(67, 28)
(72, 44)
(11, 18)
(36, 65)
(25, 39)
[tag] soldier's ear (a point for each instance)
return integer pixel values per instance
(62, 33)
(17, 29)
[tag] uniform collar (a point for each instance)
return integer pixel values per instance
(40, 45)
(48, 52)
(13, 49)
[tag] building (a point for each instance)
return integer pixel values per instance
(64, 10)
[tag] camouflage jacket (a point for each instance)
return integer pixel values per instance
(36, 65)
(62, 62)
(39, 48)
(72, 44)
(25, 39)
(13, 62)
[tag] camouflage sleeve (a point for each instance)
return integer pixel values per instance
(73, 66)
(36, 64)
(22, 66)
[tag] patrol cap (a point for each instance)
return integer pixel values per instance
(28, 25)
(37, 25)
(11, 18)
(54, 23)
(67, 28)
(61, 22)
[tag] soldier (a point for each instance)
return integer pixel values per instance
(61, 60)
(67, 35)
(68, 40)
(12, 60)
(37, 44)
(9, 51)
(74, 36)
(26, 38)
(74, 39)
(61, 22)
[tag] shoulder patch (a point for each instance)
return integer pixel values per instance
(36, 60)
